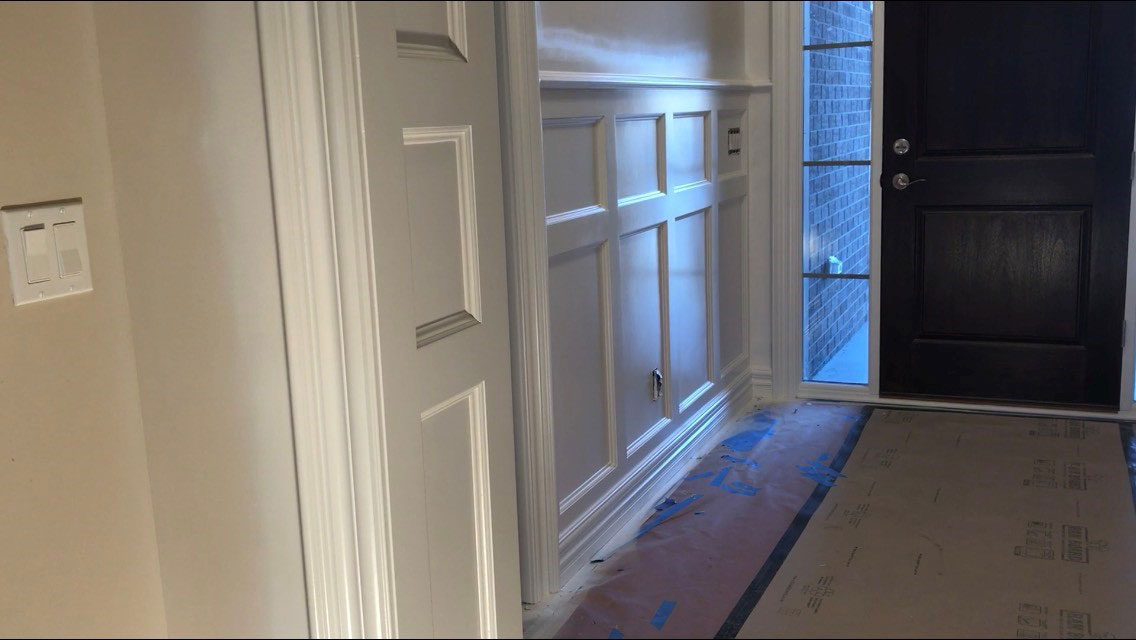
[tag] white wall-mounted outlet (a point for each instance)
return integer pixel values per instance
(47, 250)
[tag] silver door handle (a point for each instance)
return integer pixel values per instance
(901, 181)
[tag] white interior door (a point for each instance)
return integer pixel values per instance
(429, 99)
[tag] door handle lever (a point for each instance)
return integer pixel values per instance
(901, 181)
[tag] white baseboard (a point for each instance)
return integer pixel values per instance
(630, 500)
(761, 380)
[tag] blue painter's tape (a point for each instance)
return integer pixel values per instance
(758, 418)
(665, 514)
(749, 463)
(699, 476)
(615, 634)
(717, 481)
(741, 488)
(820, 473)
(664, 611)
(747, 440)
(664, 504)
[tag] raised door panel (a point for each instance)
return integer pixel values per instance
(579, 325)
(689, 307)
(1037, 100)
(456, 476)
(1003, 274)
(431, 30)
(642, 331)
(443, 230)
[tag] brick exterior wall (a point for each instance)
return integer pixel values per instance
(837, 120)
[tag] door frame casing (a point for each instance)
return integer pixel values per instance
(787, 241)
(310, 74)
(527, 267)
(312, 91)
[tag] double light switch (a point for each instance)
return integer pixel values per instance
(47, 251)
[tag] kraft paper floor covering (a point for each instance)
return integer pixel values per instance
(809, 523)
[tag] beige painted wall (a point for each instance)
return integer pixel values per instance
(76, 526)
(684, 39)
(185, 118)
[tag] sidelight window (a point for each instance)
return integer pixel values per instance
(836, 182)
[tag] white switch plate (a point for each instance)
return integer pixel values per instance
(66, 250)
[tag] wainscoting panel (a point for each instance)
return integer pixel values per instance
(580, 329)
(637, 182)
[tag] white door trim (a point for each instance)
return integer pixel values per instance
(786, 198)
(523, 157)
(323, 227)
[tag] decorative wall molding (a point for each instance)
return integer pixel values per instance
(583, 489)
(696, 395)
(731, 368)
(648, 435)
(653, 475)
(761, 380)
(660, 236)
(323, 226)
(523, 156)
(592, 80)
(582, 212)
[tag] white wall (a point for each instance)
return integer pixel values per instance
(705, 40)
(630, 272)
(186, 125)
(647, 242)
(76, 528)
(682, 39)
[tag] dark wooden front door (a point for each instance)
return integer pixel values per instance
(1004, 260)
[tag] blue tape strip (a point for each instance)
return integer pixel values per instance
(741, 488)
(615, 634)
(662, 614)
(749, 463)
(820, 473)
(699, 476)
(747, 440)
(717, 481)
(666, 513)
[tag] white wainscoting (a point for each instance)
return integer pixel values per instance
(647, 219)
